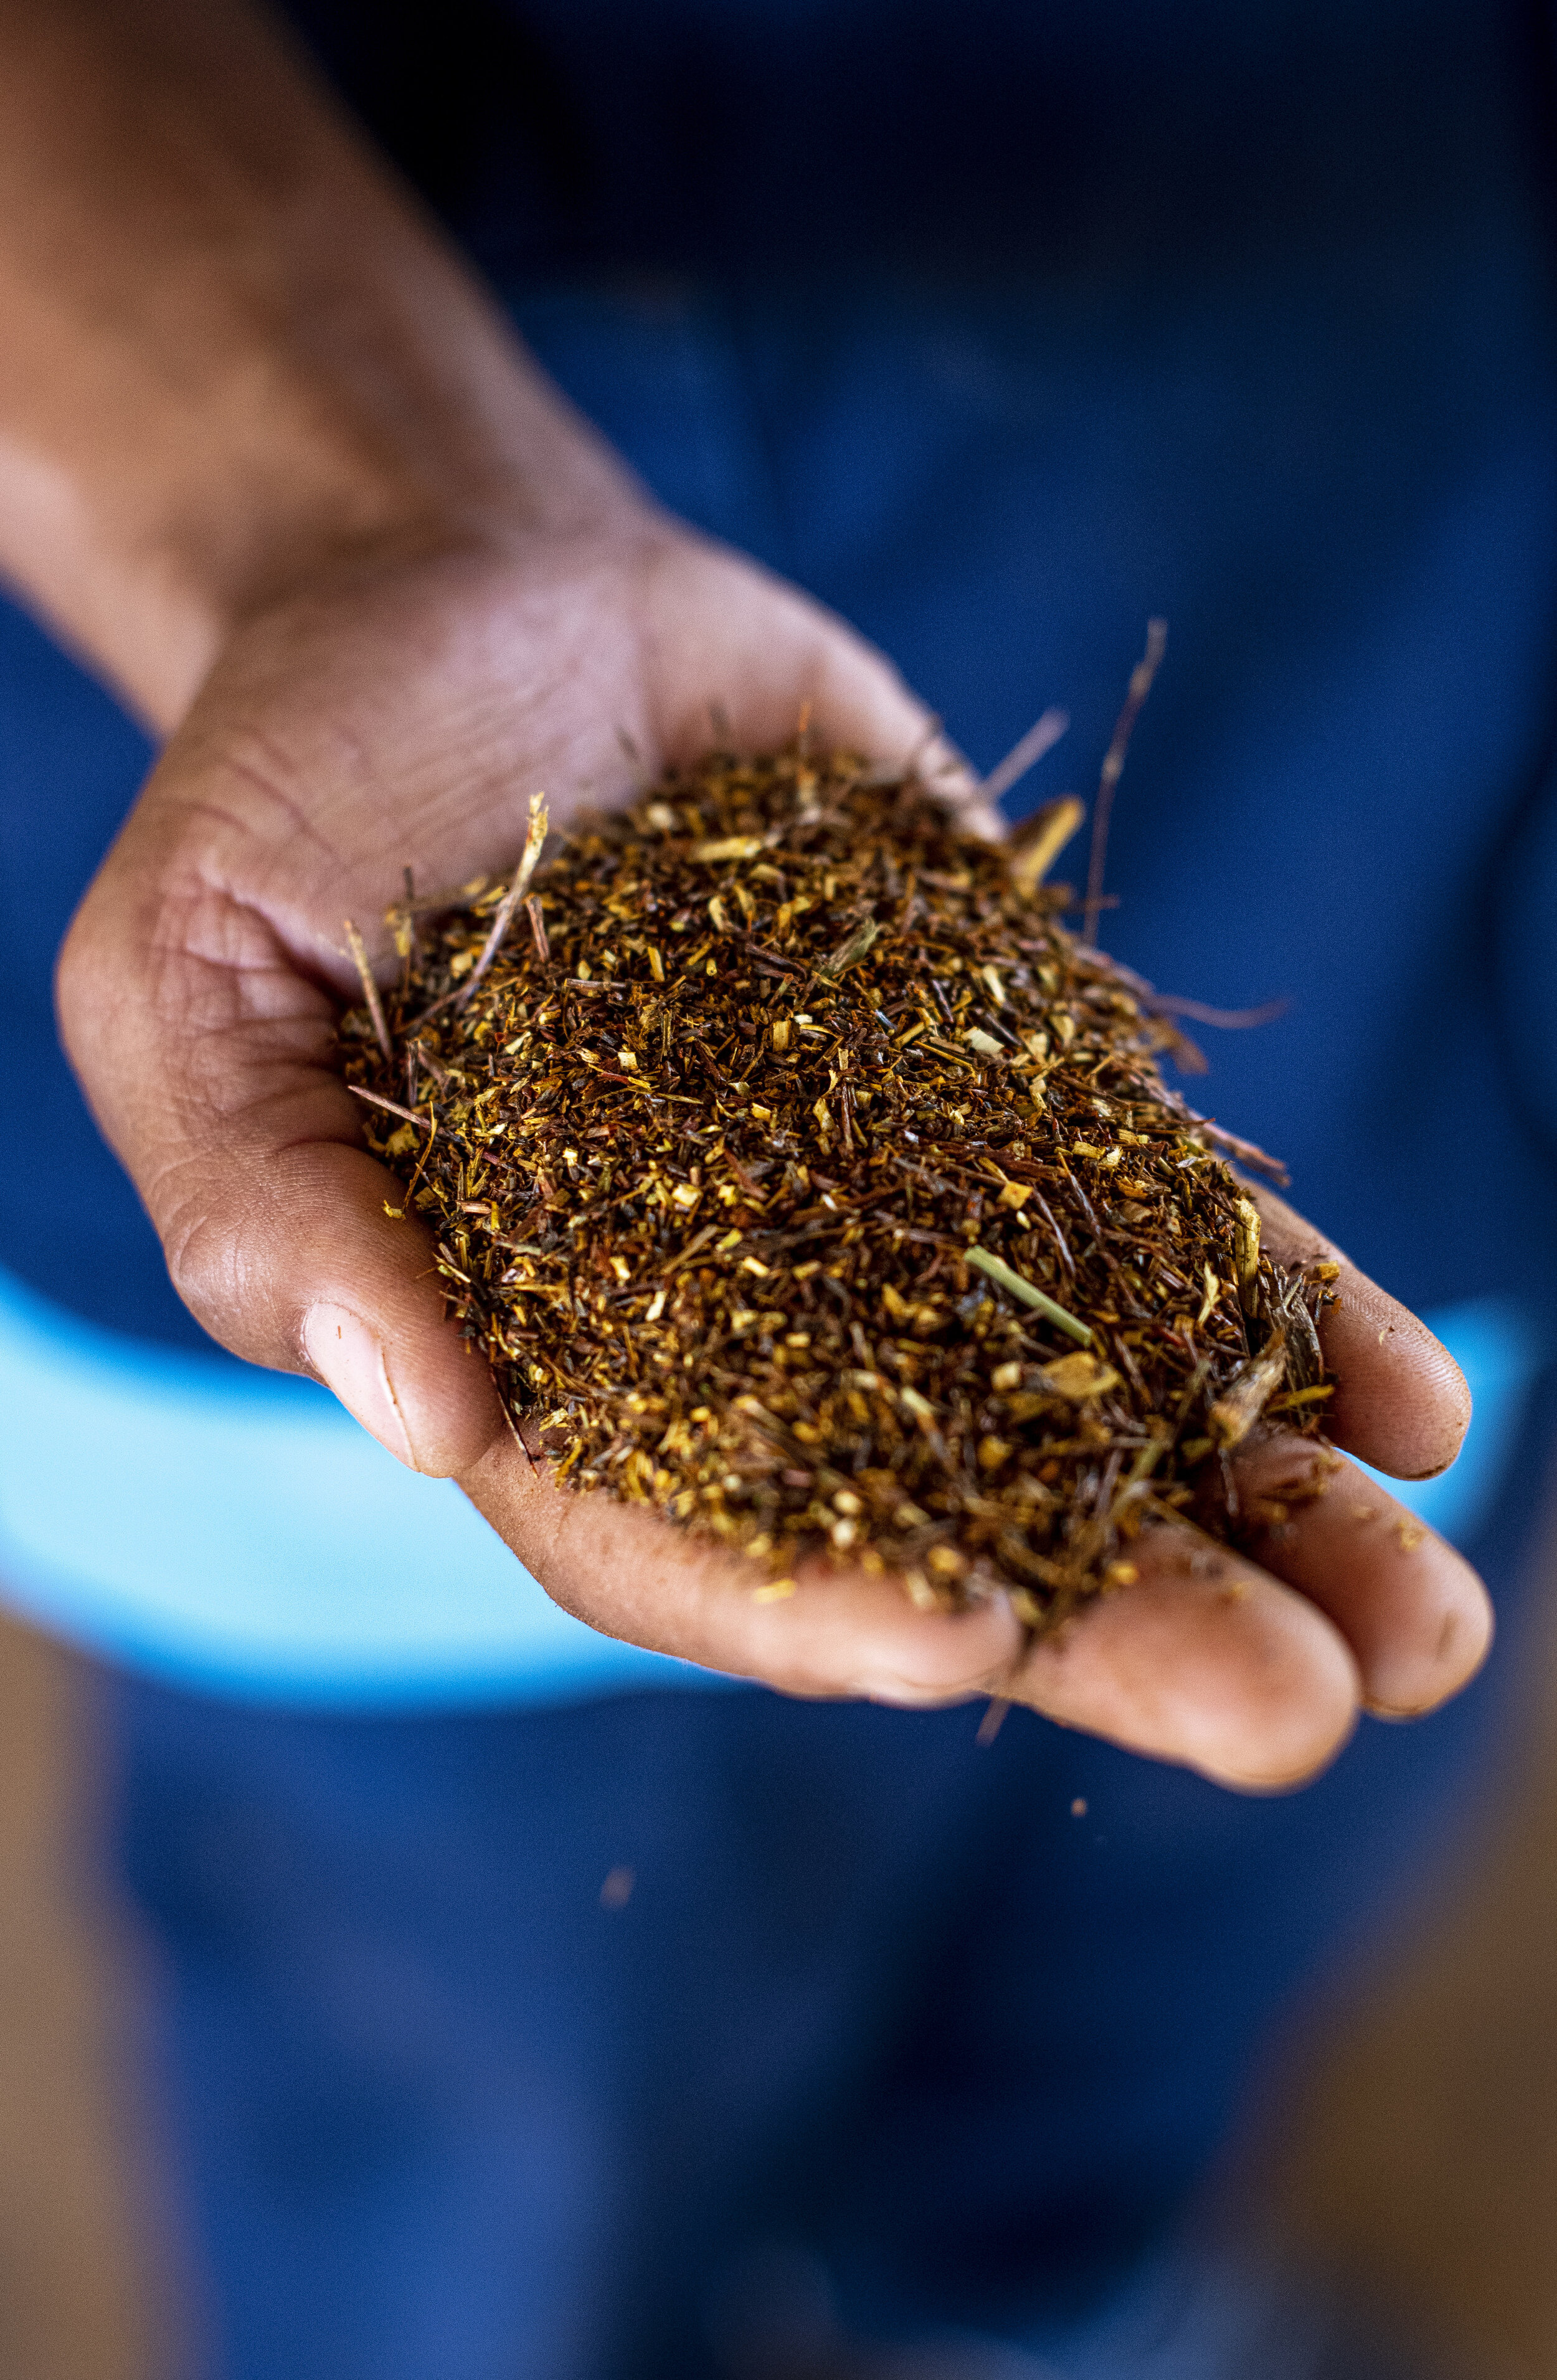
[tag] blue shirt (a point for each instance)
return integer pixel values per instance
(1000, 327)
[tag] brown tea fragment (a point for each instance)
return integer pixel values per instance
(801, 1176)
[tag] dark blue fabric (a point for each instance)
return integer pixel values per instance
(70, 763)
(1278, 362)
(1158, 139)
(878, 1995)
(1000, 327)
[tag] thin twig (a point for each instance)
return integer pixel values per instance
(996, 1269)
(413, 950)
(423, 1124)
(538, 820)
(518, 1435)
(370, 988)
(422, 1164)
(1247, 1152)
(1041, 737)
(992, 1720)
(1113, 768)
(439, 1074)
(1042, 1203)
(1229, 1020)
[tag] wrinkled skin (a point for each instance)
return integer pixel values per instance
(398, 708)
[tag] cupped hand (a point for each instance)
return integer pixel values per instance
(399, 711)
(1251, 1666)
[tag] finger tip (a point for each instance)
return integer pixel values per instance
(1402, 1402)
(1209, 1663)
(1298, 1712)
(915, 1657)
(1286, 1766)
(1444, 1410)
(1449, 1643)
(1436, 1444)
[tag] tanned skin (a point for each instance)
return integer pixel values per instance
(273, 464)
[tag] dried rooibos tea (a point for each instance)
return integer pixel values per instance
(799, 1175)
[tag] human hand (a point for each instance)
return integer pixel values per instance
(399, 711)
(262, 436)
(1250, 1666)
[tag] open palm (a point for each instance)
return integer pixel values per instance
(399, 712)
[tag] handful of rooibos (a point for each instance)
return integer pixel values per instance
(801, 1176)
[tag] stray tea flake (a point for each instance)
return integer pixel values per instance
(773, 1151)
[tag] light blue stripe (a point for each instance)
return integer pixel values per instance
(235, 1529)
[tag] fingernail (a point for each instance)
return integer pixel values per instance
(912, 1694)
(350, 1362)
(880, 1686)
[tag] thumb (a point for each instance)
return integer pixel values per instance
(336, 1284)
(207, 1058)
(728, 631)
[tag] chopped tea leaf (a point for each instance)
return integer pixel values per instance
(780, 1166)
